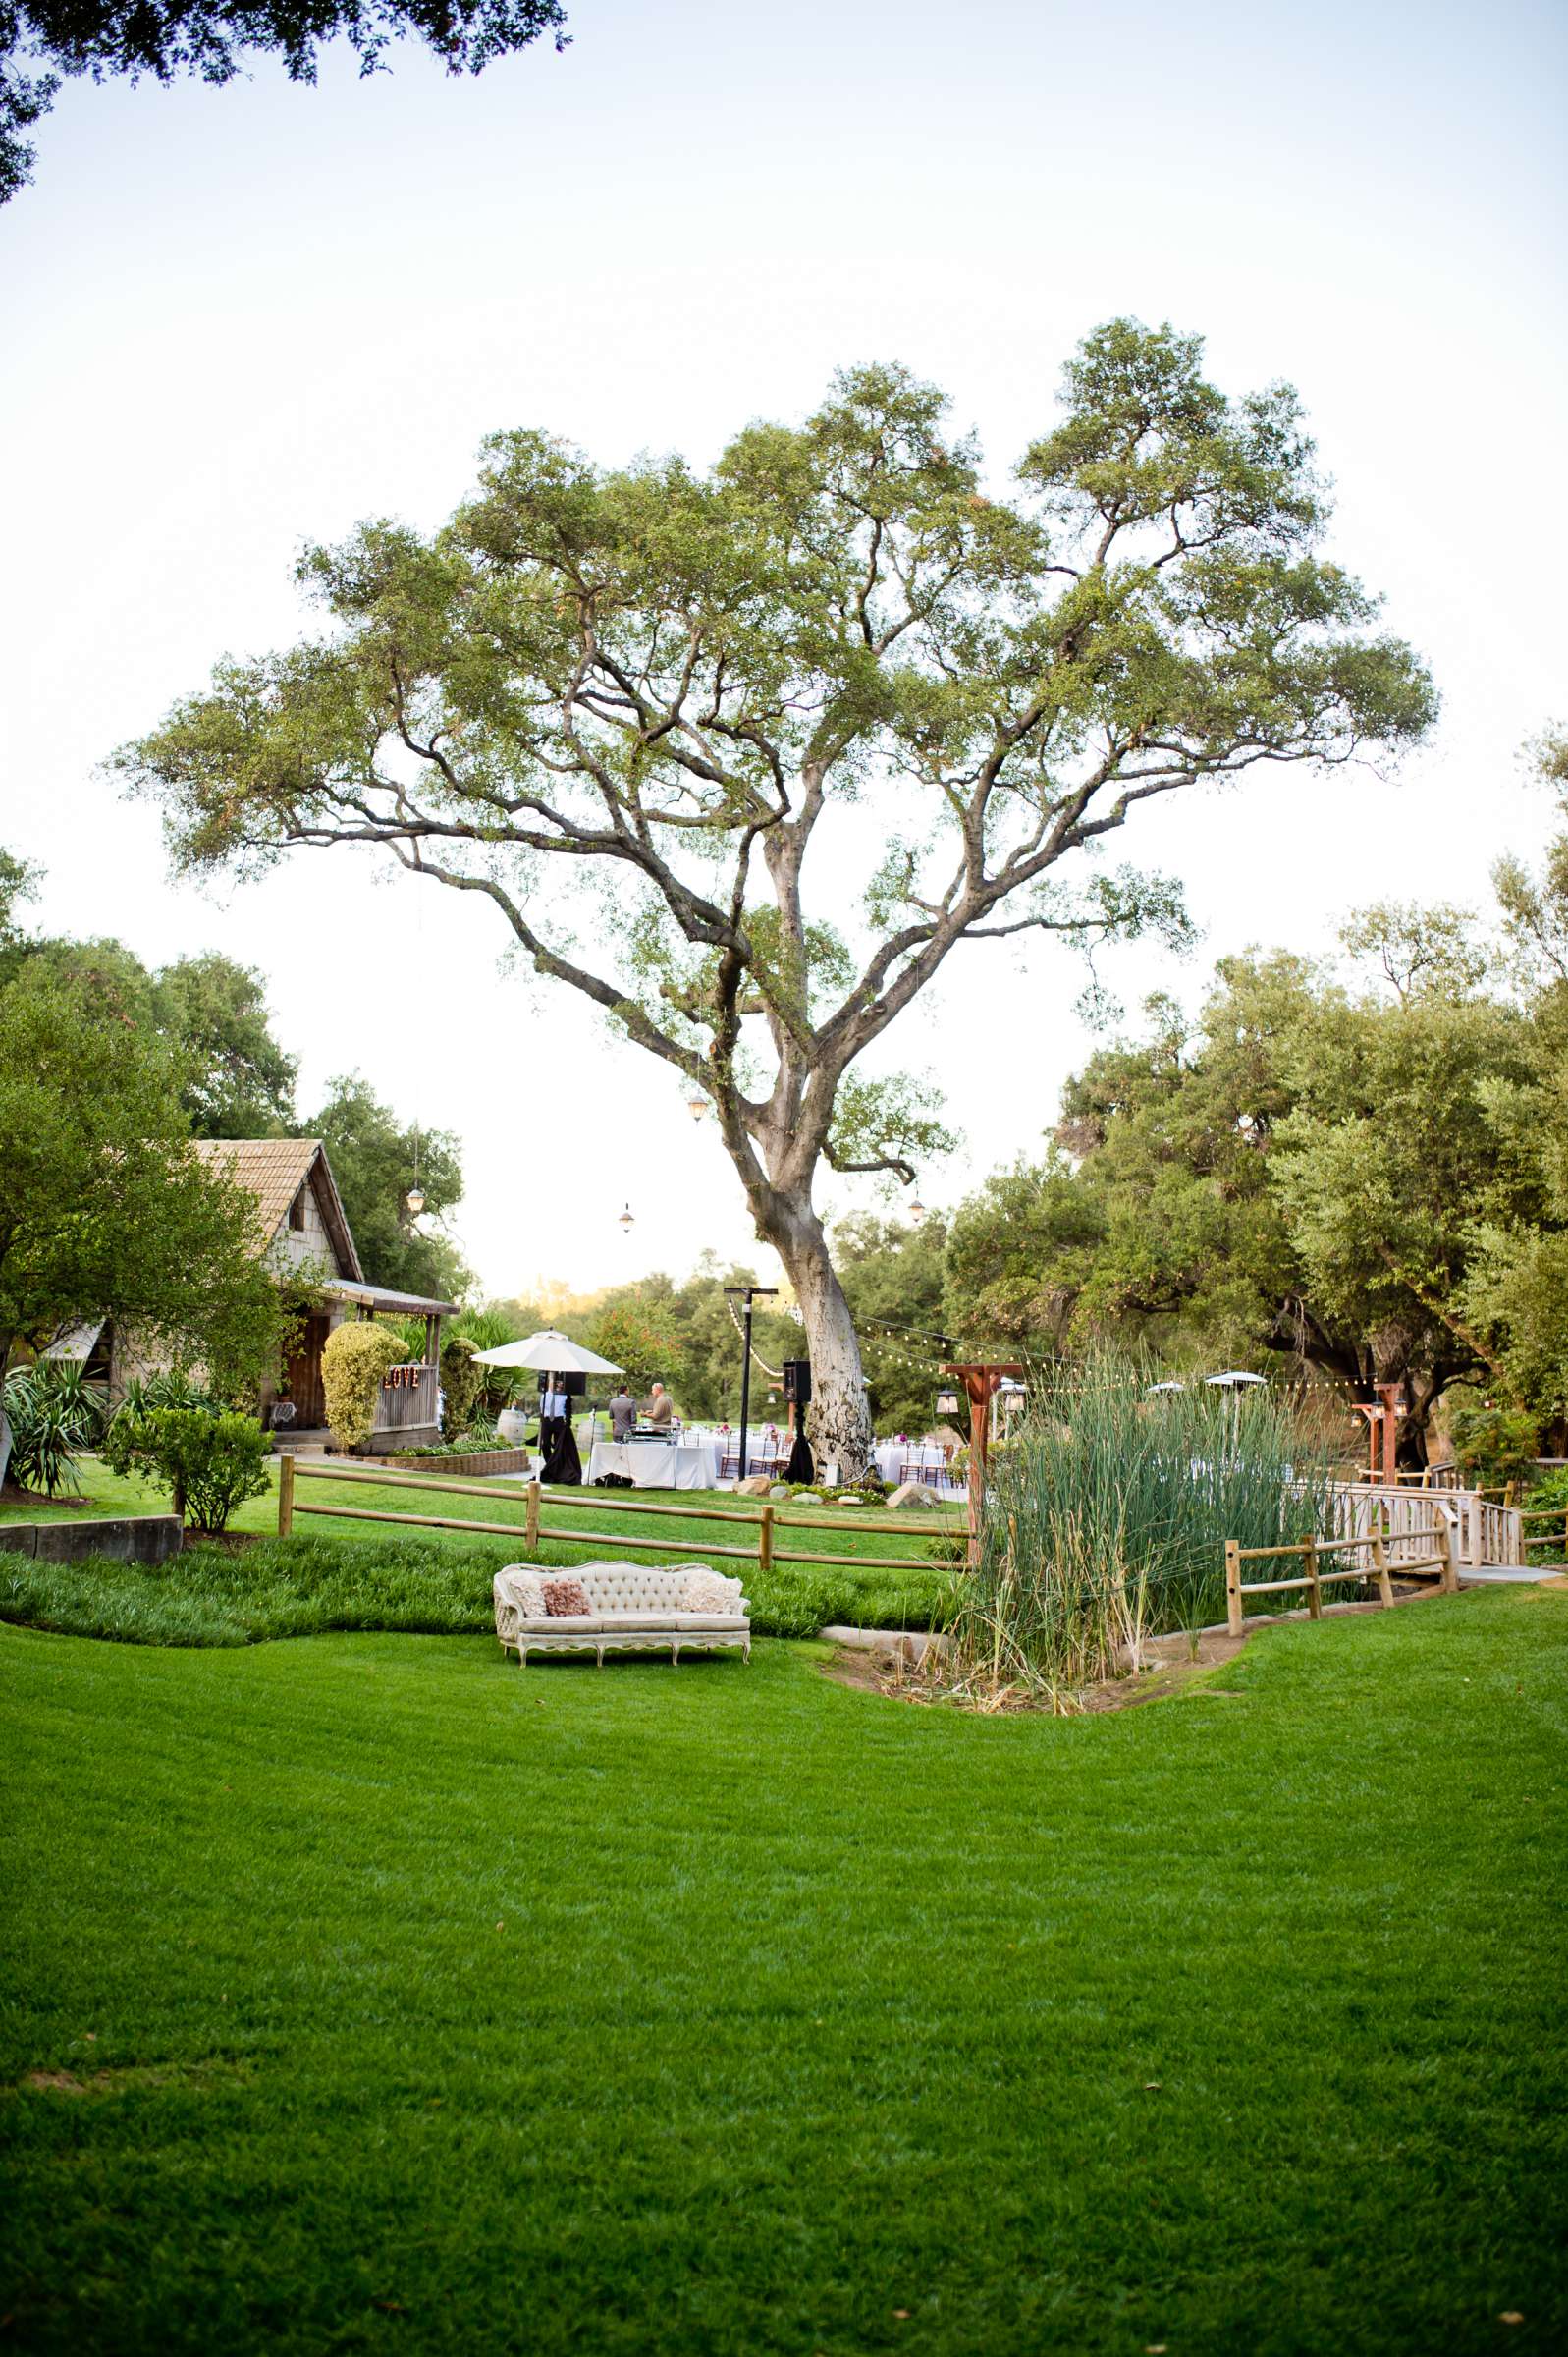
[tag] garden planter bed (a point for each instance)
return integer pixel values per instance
(468, 1468)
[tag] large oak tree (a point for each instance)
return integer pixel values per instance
(638, 710)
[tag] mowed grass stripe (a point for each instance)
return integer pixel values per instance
(730, 2011)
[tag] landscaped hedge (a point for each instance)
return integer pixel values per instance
(248, 1592)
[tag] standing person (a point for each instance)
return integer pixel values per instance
(623, 1413)
(661, 1408)
(556, 1436)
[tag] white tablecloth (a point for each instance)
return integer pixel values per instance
(723, 1450)
(654, 1465)
(894, 1456)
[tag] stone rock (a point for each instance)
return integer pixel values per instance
(755, 1485)
(849, 1498)
(781, 1489)
(912, 1494)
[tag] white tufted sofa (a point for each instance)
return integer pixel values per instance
(631, 1609)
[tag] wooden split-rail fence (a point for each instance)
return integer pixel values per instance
(1555, 1531)
(764, 1552)
(1315, 1575)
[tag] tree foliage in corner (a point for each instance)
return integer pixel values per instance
(44, 42)
(634, 712)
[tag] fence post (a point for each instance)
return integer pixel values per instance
(531, 1530)
(1233, 1585)
(1314, 1584)
(1379, 1557)
(765, 1543)
(1450, 1577)
(285, 1493)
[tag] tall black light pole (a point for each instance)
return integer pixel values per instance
(747, 1293)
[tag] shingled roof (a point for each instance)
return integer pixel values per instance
(274, 1170)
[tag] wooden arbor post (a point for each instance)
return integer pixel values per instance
(981, 1381)
(1382, 1431)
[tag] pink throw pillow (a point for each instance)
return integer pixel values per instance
(564, 1599)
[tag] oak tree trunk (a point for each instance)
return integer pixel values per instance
(839, 1421)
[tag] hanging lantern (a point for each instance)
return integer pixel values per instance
(416, 1194)
(627, 1222)
(696, 1106)
(917, 1211)
(946, 1403)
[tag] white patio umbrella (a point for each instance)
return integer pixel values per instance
(549, 1352)
(1173, 1384)
(1233, 1378)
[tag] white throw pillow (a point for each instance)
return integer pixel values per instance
(707, 1591)
(522, 1586)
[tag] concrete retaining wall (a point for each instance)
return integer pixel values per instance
(134, 1538)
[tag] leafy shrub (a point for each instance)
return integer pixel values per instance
(250, 1591)
(354, 1360)
(461, 1382)
(1549, 1492)
(1493, 1445)
(54, 1413)
(208, 1463)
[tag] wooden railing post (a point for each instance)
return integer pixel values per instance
(531, 1525)
(1450, 1577)
(1379, 1557)
(1314, 1584)
(285, 1493)
(765, 1543)
(1234, 1586)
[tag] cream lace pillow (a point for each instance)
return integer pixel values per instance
(527, 1593)
(707, 1591)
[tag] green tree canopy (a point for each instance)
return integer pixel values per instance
(1315, 1169)
(632, 710)
(894, 1273)
(373, 1157)
(44, 42)
(104, 1211)
(237, 1081)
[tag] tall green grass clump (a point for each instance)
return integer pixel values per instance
(1107, 1517)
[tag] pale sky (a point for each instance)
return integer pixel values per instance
(237, 319)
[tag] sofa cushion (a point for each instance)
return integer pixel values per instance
(705, 1591)
(564, 1599)
(735, 1622)
(521, 1587)
(562, 1624)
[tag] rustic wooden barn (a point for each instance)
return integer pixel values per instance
(302, 1232)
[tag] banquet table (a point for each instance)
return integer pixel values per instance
(654, 1465)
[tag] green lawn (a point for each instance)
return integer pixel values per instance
(417, 2003)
